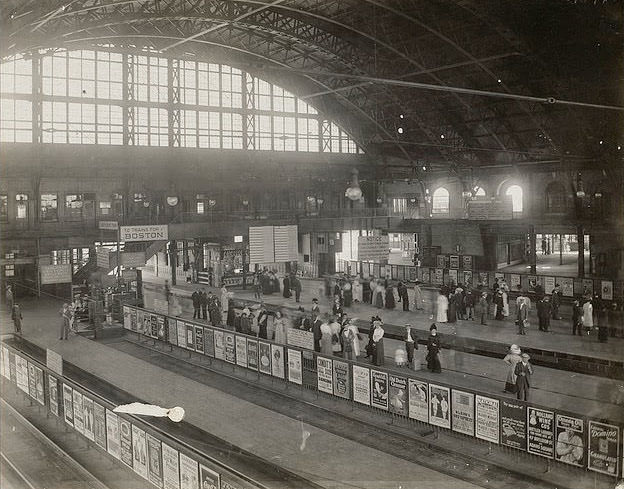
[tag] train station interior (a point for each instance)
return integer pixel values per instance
(325, 244)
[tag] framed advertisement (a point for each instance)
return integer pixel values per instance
(439, 406)
(241, 351)
(602, 452)
(440, 261)
(379, 389)
(209, 344)
(541, 432)
(463, 414)
(252, 354)
(209, 479)
(513, 424)
(88, 417)
(230, 347)
(277, 361)
(467, 262)
(53, 394)
(324, 372)
(189, 473)
(125, 441)
(139, 451)
(454, 262)
(397, 393)
(68, 405)
(419, 400)
(361, 385)
(154, 461)
(294, 366)
(264, 354)
(112, 434)
(487, 420)
(171, 467)
(570, 440)
(342, 384)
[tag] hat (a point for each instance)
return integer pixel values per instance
(515, 349)
(315, 300)
(408, 325)
(525, 356)
(377, 323)
(433, 326)
(246, 311)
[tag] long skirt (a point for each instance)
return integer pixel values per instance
(379, 302)
(378, 357)
(348, 298)
(433, 362)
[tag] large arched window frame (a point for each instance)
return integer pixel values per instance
(145, 99)
(440, 202)
(517, 198)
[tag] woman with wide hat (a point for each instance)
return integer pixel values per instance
(512, 358)
(433, 350)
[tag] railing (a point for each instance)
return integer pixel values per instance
(513, 426)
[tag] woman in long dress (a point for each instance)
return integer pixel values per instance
(512, 358)
(452, 309)
(355, 338)
(225, 300)
(279, 327)
(357, 291)
(390, 303)
(505, 288)
(335, 338)
(418, 297)
(378, 357)
(433, 351)
(347, 293)
(442, 304)
(326, 338)
(588, 316)
(379, 296)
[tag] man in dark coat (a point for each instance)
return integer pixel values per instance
(403, 295)
(195, 297)
(316, 331)
(286, 292)
(556, 301)
(295, 284)
(203, 302)
(263, 318)
(543, 314)
(523, 372)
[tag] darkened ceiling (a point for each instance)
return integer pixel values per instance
(565, 49)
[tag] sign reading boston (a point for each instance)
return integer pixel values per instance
(144, 233)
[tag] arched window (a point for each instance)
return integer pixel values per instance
(515, 191)
(440, 201)
(556, 198)
(479, 192)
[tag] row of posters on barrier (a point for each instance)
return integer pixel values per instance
(151, 458)
(506, 422)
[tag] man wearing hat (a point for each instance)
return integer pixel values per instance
(523, 372)
(316, 309)
(411, 344)
(483, 307)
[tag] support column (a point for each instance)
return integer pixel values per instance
(173, 260)
(580, 238)
(560, 249)
(532, 250)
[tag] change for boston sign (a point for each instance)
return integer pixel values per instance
(144, 233)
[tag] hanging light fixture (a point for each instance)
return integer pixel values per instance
(354, 192)
(580, 193)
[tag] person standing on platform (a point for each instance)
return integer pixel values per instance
(286, 293)
(511, 359)
(411, 344)
(543, 314)
(246, 321)
(522, 316)
(379, 293)
(418, 297)
(295, 285)
(390, 304)
(556, 301)
(442, 308)
(577, 318)
(588, 316)
(316, 332)
(195, 298)
(505, 295)
(357, 291)
(452, 308)
(66, 316)
(335, 327)
(469, 304)
(263, 318)
(403, 295)
(225, 300)
(433, 350)
(603, 322)
(279, 328)
(498, 305)
(16, 316)
(347, 293)
(203, 302)
(9, 297)
(316, 309)
(350, 343)
(523, 372)
(378, 340)
(326, 338)
(257, 285)
(616, 319)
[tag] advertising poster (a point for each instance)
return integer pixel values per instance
(39, 385)
(541, 427)
(342, 386)
(513, 424)
(12, 368)
(126, 317)
(199, 339)
(453, 276)
(439, 406)
(140, 321)
(324, 372)
(88, 418)
(125, 441)
(567, 286)
(68, 405)
(78, 412)
(426, 276)
(189, 473)
(21, 366)
(32, 387)
(4, 362)
(264, 354)
(588, 286)
(549, 285)
(209, 345)
(277, 363)
(484, 279)
(514, 281)
(379, 389)
(467, 262)
(454, 262)
(308, 364)
(153, 331)
(606, 288)
(209, 479)
(181, 328)
(112, 434)
(361, 385)
(532, 280)
(440, 261)
(53, 394)
(99, 425)
(294, 366)
(154, 461)
(463, 412)
(602, 453)
(190, 336)
(398, 395)
(438, 278)
(467, 277)
(230, 348)
(252, 354)
(570, 440)
(487, 419)
(162, 328)
(139, 451)
(418, 400)
(219, 344)
(241, 351)
(172, 333)
(171, 467)
(133, 320)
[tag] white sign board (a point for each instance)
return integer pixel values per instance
(56, 274)
(373, 248)
(144, 233)
(133, 258)
(103, 258)
(300, 338)
(54, 362)
(112, 225)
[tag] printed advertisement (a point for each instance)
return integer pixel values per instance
(467, 262)
(241, 351)
(379, 389)
(53, 393)
(567, 286)
(12, 368)
(513, 424)
(468, 278)
(88, 417)
(139, 451)
(453, 276)
(418, 400)
(112, 434)
(154, 461)
(342, 386)
(6, 369)
(439, 406)
(230, 347)
(549, 285)
(32, 386)
(440, 261)
(153, 331)
(78, 412)
(463, 412)
(125, 439)
(487, 419)
(39, 388)
(325, 376)
(602, 454)
(189, 473)
(162, 328)
(209, 479)
(199, 339)
(570, 436)
(264, 353)
(171, 467)
(141, 321)
(99, 425)
(21, 367)
(606, 288)
(398, 395)
(438, 278)
(514, 281)
(190, 336)
(252, 354)
(588, 286)
(181, 327)
(484, 279)
(68, 405)
(277, 363)
(126, 317)
(541, 427)
(454, 262)
(219, 344)
(361, 385)
(209, 343)
(172, 333)
(294, 366)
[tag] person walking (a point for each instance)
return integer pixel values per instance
(511, 359)
(403, 295)
(418, 297)
(378, 340)
(16, 316)
(588, 316)
(66, 316)
(483, 307)
(279, 328)
(195, 299)
(442, 307)
(295, 284)
(577, 318)
(411, 344)
(523, 372)
(556, 301)
(543, 313)
(203, 303)
(263, 318)
(326, 338)
(9, 297)
(433, 350)
(522, 316)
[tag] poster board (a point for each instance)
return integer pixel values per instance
(361, 384)
(398, 395)
(487, 419)
(341, 381)
(295, 367)
(513, 424)
(189, 472)
(324, 372)
(463, 412)
(277, 361)
(439, 406)
(419, 400)
(171, 467)
(570, 440)
(139, 451)
(602, 452)
(379, 389)
(540, 432)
